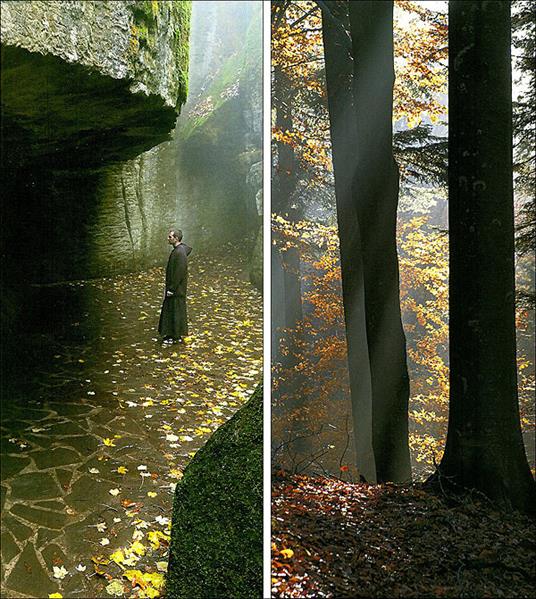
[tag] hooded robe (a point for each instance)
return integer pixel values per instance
(173, 322)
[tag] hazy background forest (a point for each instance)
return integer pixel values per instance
(310, 370)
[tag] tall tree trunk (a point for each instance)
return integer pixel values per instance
(338, 61)
(484, 447)
(376, 199)
(284, 185)
(375, 189)
(366, 183)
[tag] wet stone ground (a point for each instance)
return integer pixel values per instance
(97, 430)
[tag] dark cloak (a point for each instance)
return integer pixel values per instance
(173, 321)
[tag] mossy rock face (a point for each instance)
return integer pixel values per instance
(216, 536)
(89, 88)
(219, 139)
(143, 42)
(85, 84)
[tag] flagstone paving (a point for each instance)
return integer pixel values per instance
(97, 434)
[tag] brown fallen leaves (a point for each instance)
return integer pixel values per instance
(336, 539)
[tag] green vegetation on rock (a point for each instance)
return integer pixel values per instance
(216, 536)
(218, 136)
(150, 18)
(243, 68)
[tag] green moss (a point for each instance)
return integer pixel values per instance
(182, 12)
(144, 34)
(216, 536)
(243, 65)
(147, 17)
(134, 43)
(144, 30)
(147, 10)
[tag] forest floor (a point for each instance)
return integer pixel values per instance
(337, 539)
(101, 419)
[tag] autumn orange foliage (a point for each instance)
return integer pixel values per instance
(420, 45)
(311, 386)
(318, 371)
(311, 410)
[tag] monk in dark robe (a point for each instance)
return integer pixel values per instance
(173, 325)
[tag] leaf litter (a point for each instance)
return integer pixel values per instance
(161, 405)
(337, 539)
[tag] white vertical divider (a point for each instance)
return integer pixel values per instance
(267, 86)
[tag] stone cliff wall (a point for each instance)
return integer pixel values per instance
(136, 203)
(142, 42)
(208, 179)
(219, 145)
(88, 88)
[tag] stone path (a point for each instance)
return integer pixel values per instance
(98, 431)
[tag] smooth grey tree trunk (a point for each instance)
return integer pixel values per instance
(360, 98)
(375, 190)
(343, 138)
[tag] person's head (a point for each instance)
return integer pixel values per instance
(174, 236)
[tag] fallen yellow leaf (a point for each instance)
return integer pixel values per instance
(153, 539)
(138, 548)
(131, 560)
(118, 557)
(154, 578)
(135, 577)
(115, 588)
(162, 566)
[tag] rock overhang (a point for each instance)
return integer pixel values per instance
(91, 82)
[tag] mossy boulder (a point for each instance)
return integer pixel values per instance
(216, 535)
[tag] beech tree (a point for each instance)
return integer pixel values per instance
(286, 290)
(337, 52)
(366, 177)
(484, 448)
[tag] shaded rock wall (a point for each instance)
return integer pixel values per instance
(135, 203)
(88, 88)
(256, 271)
